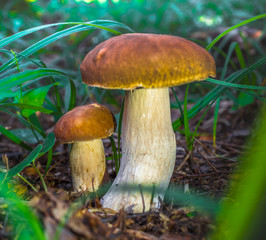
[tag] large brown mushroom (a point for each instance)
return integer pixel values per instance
(85, 126)
(146, 65)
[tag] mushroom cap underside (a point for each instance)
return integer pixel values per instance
(144, 60)
(84, 123)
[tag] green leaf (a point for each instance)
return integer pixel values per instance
(9, 93)
(245, 99)
(48, 143)
(27, 135)
(35, 97)
(29, 159)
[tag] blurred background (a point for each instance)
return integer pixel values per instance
(197, 20)
(179, 17)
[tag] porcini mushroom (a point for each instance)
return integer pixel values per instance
(85, 126)
(146, 65)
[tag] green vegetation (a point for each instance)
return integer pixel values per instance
(42, 45)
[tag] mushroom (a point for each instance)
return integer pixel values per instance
(85, 126)
(146, 65)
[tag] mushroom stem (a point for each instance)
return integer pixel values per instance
(148, 149)
(87, 163)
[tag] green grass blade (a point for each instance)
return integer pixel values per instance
(72, 96)
(50, 39)
(115, 154)
(203, 115)
(179, 106)
(227, 59)
(29, 159)
(94, 24)
(28, 75)
(234, 27)
(49, 161)
(234, 85)
(14, 138)
(189, 141)
(240, 56)
(215, 120)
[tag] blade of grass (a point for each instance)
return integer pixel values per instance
(48, 143)
(28, 75)
(14, 138)
(49, 161)
(179, 106)
(115, 154)
(234, 85)
(234, 27)
(96, 23)
(232, 47)
(203, 115)
(240, 56)
(189, 141)
(72, 96)
(215, 120)
(48, 40)
(29, 159)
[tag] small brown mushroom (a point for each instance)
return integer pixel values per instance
(85, 126)
(146, 65)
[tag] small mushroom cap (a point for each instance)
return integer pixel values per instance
(83, 123)
(144, 60)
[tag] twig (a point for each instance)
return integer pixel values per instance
(183, 162)
(210, 164)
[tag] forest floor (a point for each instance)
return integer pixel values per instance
(210, 178)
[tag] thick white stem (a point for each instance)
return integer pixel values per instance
(148, 149)
(87, 163)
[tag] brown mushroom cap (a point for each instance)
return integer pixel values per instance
(83, 123)
(136, 60)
